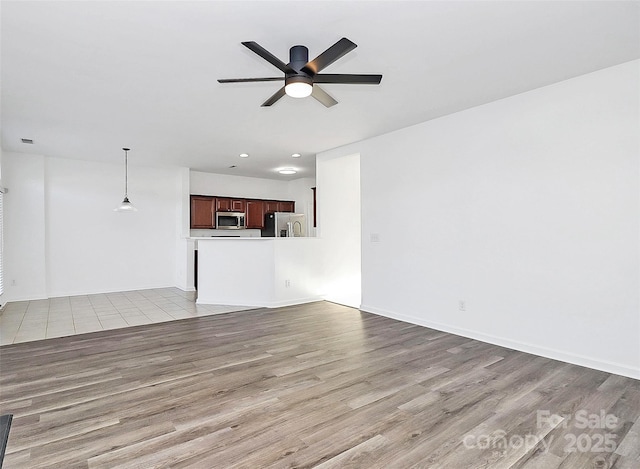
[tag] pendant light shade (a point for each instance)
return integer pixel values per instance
(126, 205)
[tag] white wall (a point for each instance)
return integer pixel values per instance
(339, 226)
(2, 295)
(24, 234)
(527, 209)
(64, 237)
(298, 271)
(237, 186)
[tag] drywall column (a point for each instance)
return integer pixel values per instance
(338, 210)
(185, 247)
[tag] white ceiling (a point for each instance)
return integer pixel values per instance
(84, 79)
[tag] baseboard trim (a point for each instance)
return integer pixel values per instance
(545, 352)
(299, 301)
(268, 304)
(201, 300)
(328, 300)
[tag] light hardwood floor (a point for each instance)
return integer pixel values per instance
(317, 385)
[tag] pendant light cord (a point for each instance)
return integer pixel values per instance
(126, 172)
(126, 205)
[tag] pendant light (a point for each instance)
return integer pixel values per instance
(126, 206)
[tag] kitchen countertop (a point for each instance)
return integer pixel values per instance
(226, 237)
(255, 238)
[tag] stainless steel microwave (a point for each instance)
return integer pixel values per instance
(230, 220)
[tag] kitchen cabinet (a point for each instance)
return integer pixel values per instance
(238, 205)
(204, 208)
(228, 204)
(223, 204)
(271, 206)
(255, 214)
(286, 206)
(202, 212)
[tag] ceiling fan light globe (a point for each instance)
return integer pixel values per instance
(298, 89)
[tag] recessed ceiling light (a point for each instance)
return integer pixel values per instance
(295, 155)
(244, 155)
(287, 171)
(27, 140)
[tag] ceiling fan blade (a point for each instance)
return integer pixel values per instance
(268, 56)
(276, 96)
(322, 96)
(247, 80)
(348, 79)
(329, 56)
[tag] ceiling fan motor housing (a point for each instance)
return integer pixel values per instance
(298, 58)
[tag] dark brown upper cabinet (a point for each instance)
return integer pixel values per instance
(271, 206)
(255, 214)
(286, 206)
(202, 212)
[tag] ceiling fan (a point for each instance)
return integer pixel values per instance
(301, 76)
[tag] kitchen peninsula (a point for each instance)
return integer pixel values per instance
(260, 272)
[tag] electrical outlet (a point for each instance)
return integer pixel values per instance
(287, 283)
(374, 237)
(462, 306)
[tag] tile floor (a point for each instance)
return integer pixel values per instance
(24, 321)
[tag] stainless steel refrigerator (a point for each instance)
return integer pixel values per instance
(283, 224)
